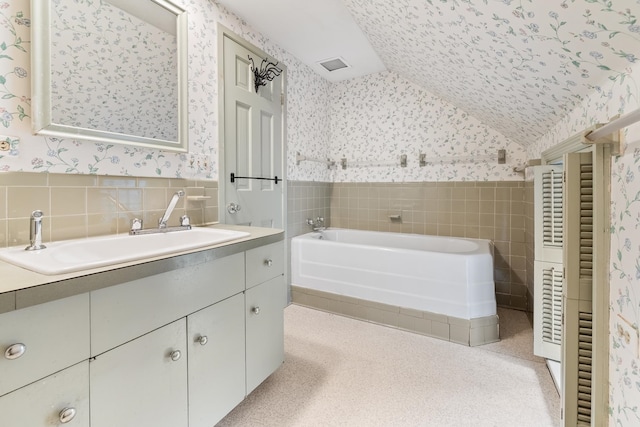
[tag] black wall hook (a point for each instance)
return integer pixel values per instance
(266, 73)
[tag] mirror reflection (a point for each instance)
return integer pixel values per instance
(111, 70)
(115, 71)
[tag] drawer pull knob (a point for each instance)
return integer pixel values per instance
(203, 340)
(67, 414)
(268, 262)
(175, 355)
(255, 310)
(15, 351)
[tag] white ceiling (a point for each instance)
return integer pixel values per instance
(312, 31)
(517, 66)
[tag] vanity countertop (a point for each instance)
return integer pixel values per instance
(21, 288)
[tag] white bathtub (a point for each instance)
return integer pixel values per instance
(449, 276)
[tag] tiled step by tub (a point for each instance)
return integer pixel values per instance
(474, 332)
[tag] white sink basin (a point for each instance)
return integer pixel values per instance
(81, 254)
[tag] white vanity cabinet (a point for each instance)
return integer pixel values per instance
(177, 348)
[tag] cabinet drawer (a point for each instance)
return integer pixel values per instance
(123, 312)
(264, 263)
(55, 335)
(42, 403)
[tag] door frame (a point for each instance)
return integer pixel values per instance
(223, 32)
(601, 262)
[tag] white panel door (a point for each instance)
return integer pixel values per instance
(252, 142)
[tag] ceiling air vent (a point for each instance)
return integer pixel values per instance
(333, 64)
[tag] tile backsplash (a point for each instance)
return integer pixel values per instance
(307, 199)
(76, 206)
(529, 240)
(488, 210)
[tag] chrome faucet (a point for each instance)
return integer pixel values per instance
(317, 224)
(185, 223)
(35, 232)
(162, 223)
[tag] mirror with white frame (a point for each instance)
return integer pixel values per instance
(112, 71)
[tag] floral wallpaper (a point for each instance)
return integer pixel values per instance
(624, 361)
(112, 71)
(308, 109)
(377, 118)
(307, 101)
(516, 65)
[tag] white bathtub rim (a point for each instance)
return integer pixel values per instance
(480, 242)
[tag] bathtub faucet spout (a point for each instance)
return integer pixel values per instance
(317, 224)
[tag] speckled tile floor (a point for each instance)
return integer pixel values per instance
(345, 372)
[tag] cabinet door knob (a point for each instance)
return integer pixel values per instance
(67, 414)
(268, 262)
(203, 340)
(175, 355)
(255, 310)
(15, 351)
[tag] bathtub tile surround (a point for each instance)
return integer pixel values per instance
(472, 332)
(306, 199)
(485, 210)
(77, 206)
(529, 239)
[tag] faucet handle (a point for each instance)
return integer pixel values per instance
(136, 224)
(185, 221)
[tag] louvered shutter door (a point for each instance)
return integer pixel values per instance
(547, 314)
(549, 233)
(584, 368)
(578, 260)
(548, 282)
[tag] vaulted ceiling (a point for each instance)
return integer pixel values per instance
(517, 65)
